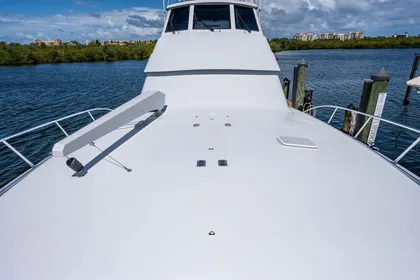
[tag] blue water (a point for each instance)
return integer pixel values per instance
(32, 95)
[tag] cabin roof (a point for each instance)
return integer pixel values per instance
(187, 3)
(212, 51)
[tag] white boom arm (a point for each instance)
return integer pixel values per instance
(146, 102)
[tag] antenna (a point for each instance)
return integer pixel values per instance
(164, 10)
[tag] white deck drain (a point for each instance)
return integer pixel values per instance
(223, 163)
(201, 163)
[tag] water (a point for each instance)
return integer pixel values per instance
(336, 76)
(30, 96)
(33, 95)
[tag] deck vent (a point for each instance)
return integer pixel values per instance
(228, 124)
(223, 162)
(196, 125)
(201, 163)
(296, 142)
(211, 149)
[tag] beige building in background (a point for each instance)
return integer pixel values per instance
(121, 42)
(327, 36)
(340, 36)
(400, 36)
(305, 36)
(343, 36)
(49, 43)
(330, 36)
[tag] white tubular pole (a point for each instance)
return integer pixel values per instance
(362, 128)
(19, 154)
(407, 150)
(332, 116)
(146, 102)
(91, 116)
(62, 129)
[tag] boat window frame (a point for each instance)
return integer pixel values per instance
(231, 22)
(232, 18)
(165, 30)
(256, 18)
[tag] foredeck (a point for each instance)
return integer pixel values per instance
(277, 212)
(211, 193)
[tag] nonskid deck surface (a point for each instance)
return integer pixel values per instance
(276, 211)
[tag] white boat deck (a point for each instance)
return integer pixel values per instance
(340, 211)
(289, 220)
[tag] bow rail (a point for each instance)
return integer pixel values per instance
(371, 118)
(54, 122)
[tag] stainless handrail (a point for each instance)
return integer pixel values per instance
(56, 122)
(371, 117)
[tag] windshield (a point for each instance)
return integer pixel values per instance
(245, 19)
(211, 17)
(178, 19)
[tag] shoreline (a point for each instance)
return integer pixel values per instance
(344, 49)
(73, 62)
(284, 44)
(13, 54)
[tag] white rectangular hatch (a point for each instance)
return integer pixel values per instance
(296, 142)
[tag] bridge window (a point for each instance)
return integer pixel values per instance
(211, 17)
(245, 19)
(178, 19)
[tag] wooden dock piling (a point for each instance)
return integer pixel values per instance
(349, 121)
(364, 99)
(299, 80)
(307, 100)
(414, 68)
(286, 87)
(373, 90)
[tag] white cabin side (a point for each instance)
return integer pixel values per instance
(220, 45)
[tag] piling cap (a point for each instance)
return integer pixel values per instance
(303, 63)
(351, 107)
(382, 75)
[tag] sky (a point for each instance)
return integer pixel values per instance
(26, 20)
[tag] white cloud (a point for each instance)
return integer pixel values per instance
(24, 36)
(280, 18)
(86, 4)
(108, 25)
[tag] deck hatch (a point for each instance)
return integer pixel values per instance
(296, 142)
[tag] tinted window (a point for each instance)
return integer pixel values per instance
(211, 17)
(178, 19)
(245, 18)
